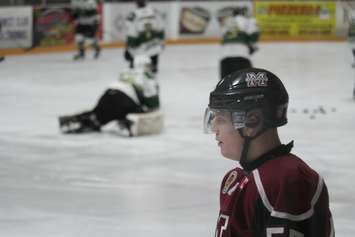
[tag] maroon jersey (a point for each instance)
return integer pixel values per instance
(277, 195)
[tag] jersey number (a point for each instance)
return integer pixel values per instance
(222, 224)
(281, 230)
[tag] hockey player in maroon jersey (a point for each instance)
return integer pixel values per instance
(274, 193)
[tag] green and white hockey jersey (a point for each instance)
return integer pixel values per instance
(141, 86)
(85, 12)
(145, 32)
(240, 29)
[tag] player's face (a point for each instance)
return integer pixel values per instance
(228, 138)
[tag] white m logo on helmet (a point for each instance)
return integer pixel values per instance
(256, 79)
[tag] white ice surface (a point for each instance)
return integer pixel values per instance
(54, 185)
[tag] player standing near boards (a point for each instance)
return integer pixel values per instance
(240, 35)
(145, 34)
(86, 20)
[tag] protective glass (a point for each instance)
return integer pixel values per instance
(214, 117)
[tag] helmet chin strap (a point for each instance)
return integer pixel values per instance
(247, 141)
(243, 157)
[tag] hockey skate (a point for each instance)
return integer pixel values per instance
(75, 124)
(125, 125)
(81, 51)
(78, 56)
(81, 54)
(97, 53)
(252, 49)
(69, 124)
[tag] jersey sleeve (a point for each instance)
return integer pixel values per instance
(229, 223)
(295, 205)
(129, 24)
(148, 92)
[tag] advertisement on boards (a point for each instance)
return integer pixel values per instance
(206, 19)
(15, 27)
(56, 26)
(296, 19)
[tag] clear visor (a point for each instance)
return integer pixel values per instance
(214, 117)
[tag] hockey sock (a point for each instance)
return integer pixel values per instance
(81, 51)
(155, 60)
(97, 49)
(129, 58)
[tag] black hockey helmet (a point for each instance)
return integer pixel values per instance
(141, 3)
(240, 11)
(247, 90)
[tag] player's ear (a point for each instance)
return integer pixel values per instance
(254, 123)
(250, 132)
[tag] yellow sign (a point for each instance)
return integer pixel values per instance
(304, 20)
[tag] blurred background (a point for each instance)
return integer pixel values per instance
(44, 23)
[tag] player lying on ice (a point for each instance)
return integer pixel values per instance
(132, 101)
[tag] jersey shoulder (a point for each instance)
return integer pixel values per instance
(232, 179)
(288, 187)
